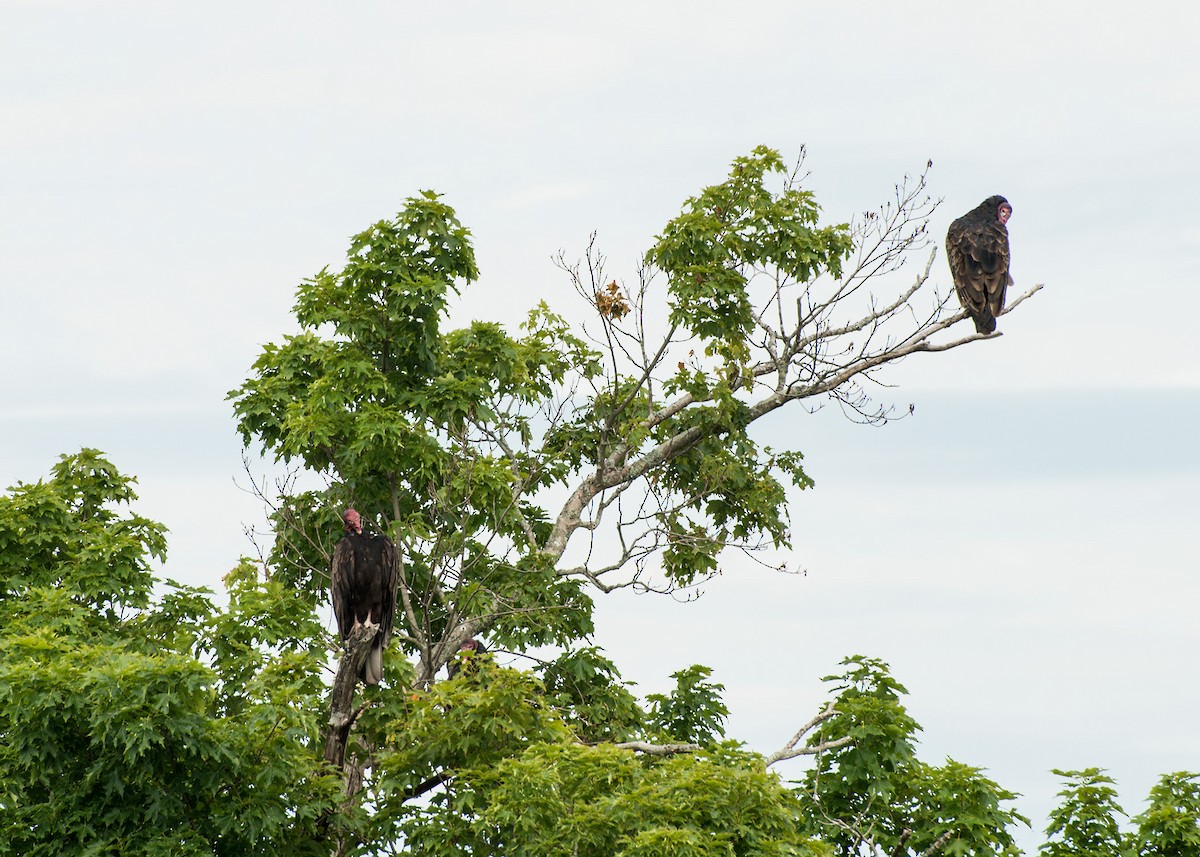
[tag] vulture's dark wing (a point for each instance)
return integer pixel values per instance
(977, 249)
(340, 577)
(363, 579)
(391, 577)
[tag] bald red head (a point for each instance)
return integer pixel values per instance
(353, 521)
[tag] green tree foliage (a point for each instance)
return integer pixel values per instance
(66, 534)
(693, 712)
(1170, 825)
(180, 727)
(138, 728)
(557, 799)
(727, 232)
(586, 690)
(1085, 823)
(873, 794)
(383, 406)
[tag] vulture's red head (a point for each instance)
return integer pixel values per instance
(353, 521)
(1001, 206)
(471, 645)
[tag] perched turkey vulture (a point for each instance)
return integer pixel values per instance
(466, 664)
(363, 586)
(977, 248)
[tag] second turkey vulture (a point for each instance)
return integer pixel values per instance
(977, 249)
(467, 658)
(363, 588)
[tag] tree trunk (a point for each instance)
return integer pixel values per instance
(342, 716)
(341, 695)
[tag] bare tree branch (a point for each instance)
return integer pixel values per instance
(657, 749)
(898, 851)
(428, 785)
(938, 844)
(791, 749)
(341, 710)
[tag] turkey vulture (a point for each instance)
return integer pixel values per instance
(473, 649)
(363, 587)
(977, 248)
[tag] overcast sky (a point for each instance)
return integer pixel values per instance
(1021, 550)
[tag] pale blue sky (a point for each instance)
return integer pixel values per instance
(1021, 550)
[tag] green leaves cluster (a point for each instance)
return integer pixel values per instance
(526, 778)
(163, 724)
(141, 727)
(1170, 825)
(138, 723)
(499, 760)
(728, 233)
(876, 794)
(586, 690)
(66, 533)
(375, 396)
(601, 801)
(1087, 821)
(389, 298)
(694, 712)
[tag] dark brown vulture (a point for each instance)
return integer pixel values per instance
(465, 660)
(363, 587)
(977, 248)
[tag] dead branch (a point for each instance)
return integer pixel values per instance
(341, 696)
(657, 749)
(428, 785)
(905, 834)
(938, 844)
(791, 750)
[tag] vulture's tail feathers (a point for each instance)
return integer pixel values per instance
(985, 322)
(373, 668)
